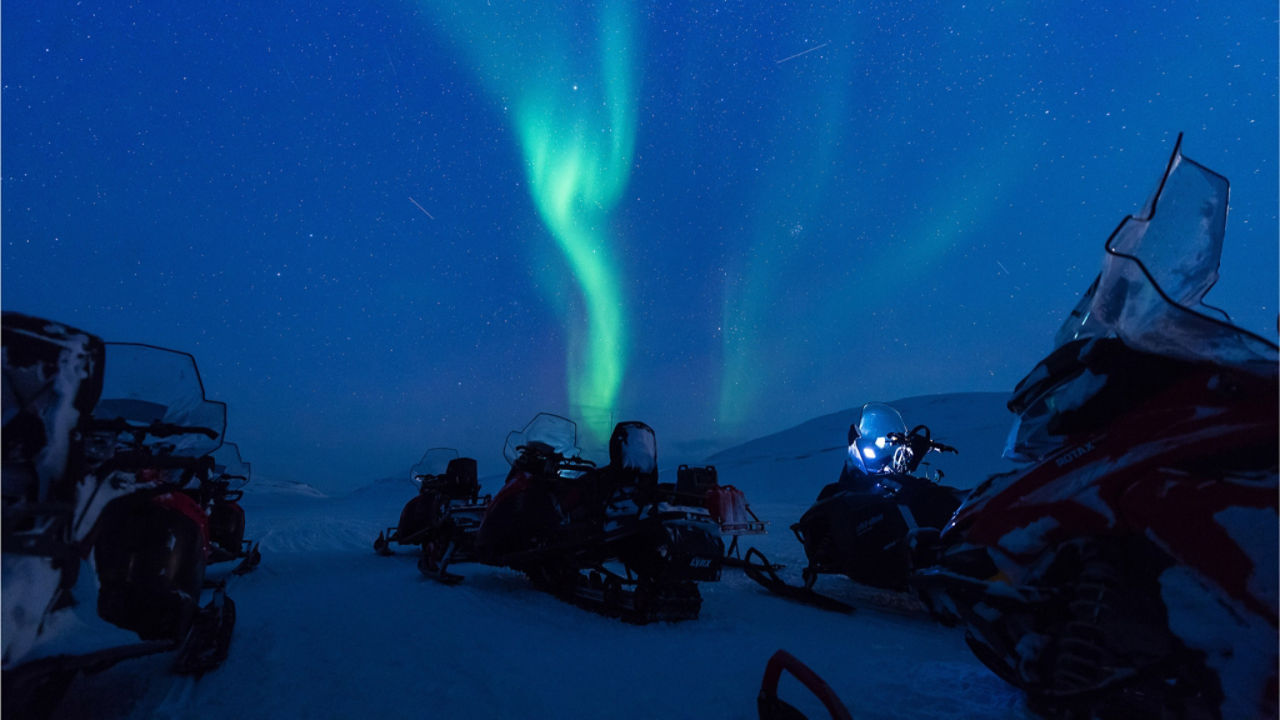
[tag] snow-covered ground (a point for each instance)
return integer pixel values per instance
(327, 629)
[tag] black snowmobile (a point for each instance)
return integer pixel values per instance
(878, 522)
(94, 466)
(219, 493)
(600, 537)
(443, 517)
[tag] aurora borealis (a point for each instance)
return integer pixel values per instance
(573, 104)
(384, 228)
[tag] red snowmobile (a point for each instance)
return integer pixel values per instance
(99, 442)
(603, 538)
(443, 517)
(1130, 570)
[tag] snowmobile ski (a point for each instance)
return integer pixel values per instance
(438, 570)
(251, 560)
(209, 639)
(764, 573)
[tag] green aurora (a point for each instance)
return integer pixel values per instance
(573, 105)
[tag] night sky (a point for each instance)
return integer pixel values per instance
(385, 227)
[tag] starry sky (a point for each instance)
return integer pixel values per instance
(382, 227)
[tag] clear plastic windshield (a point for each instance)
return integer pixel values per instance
(872, 449)
(1149, 295)
(558, 432)
(1158, 268)
(229, 466)
(143, 384)
(434, 462)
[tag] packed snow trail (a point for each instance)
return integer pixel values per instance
(327, 629)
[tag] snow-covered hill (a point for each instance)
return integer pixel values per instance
(271, 489)
(327, 629)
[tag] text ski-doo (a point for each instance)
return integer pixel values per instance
(104, 554)
(876, 523)
(1130, 570)
(599, 537)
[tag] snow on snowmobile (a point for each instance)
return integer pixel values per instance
(99, 439)
(872, 523)
(600, 537)
(1130, 570)
(442, 519)
(219, 493)
(700, 487)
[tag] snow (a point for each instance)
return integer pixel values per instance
(328, 629)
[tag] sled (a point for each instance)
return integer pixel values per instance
(765, 573)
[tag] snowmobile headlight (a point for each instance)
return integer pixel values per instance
(869, 453)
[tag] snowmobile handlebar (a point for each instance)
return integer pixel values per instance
(919, 436)
(567, 463)
(576, 465)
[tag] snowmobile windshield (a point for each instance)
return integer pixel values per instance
(143, 384)
(559, 432)
(434, 462)
(229, 466)
(871, 449)
(1157, 268)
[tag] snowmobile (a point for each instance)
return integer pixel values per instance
(99, 439)
(600, 537)
(700, 487)
(872, 525)
(442, 519)
(1130, 569)
(219, 493)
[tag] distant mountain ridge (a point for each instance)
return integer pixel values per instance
(260, 487)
